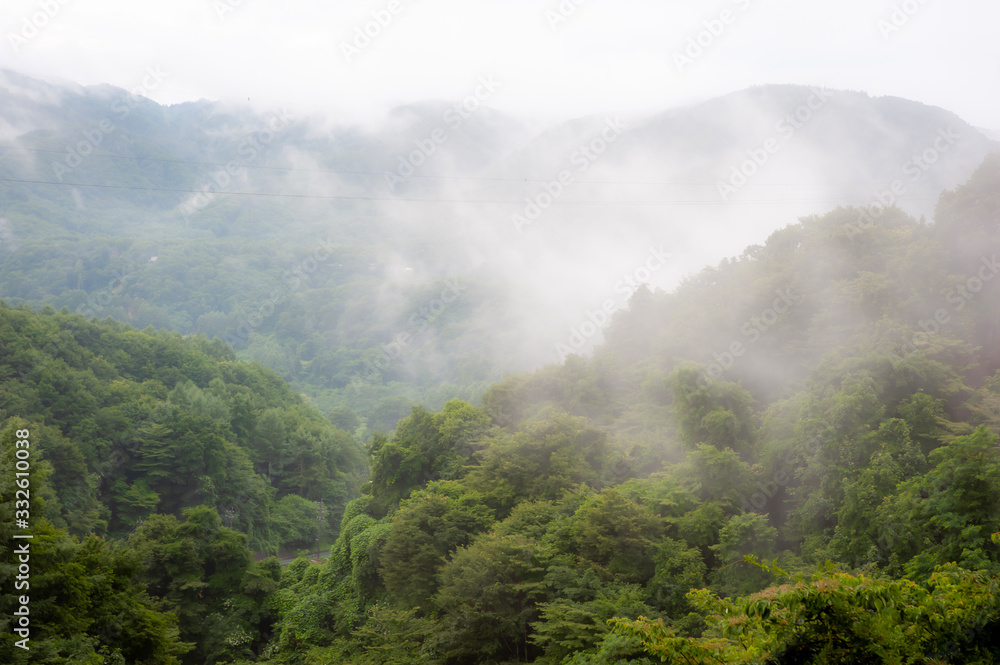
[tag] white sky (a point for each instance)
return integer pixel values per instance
(607, 56)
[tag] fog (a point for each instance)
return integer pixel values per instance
(551, 225)
(571, 220)
(556, 60)
(541, 162)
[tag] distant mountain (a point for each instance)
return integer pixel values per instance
(546, 229)
(991, 134)
(722, 171)
(845, 144)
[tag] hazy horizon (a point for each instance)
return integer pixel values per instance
(554, 151)
(554, 60)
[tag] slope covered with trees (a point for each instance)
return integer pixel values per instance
(323, 271)
(135, 423)
(792, 458)
(831, 494)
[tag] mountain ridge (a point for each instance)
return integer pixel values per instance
(63, 245)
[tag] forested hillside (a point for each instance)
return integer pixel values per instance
(847, 437)
(134, 423)
(283, 236)
(314, 287)
(791, 458)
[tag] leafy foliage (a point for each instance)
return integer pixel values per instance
(610, 509)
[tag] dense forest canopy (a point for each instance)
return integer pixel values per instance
(270, 425)
(791, 458)
(371, 301)
(134, 423)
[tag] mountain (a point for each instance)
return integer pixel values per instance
(831, 293)
(442, 263)
(132, 423)
(790, 455)
(721, 175)
(793, 453)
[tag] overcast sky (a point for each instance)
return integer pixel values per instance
(550, 58)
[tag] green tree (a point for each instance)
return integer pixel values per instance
(840, 618)
(949, 513)
(569, 626)
(540, 463)
(83, 605)
(617, 535)
(743, 535)
(679, 569)
(487, 599)
(392, 635)
(194, 567)
(719, 413)
(426, 529)
(295, 521)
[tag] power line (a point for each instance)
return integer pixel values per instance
(419, 200)
(433, 177)
(108, 155)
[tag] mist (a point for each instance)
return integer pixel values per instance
(550, 227)
(315, 181)
(440, 332)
